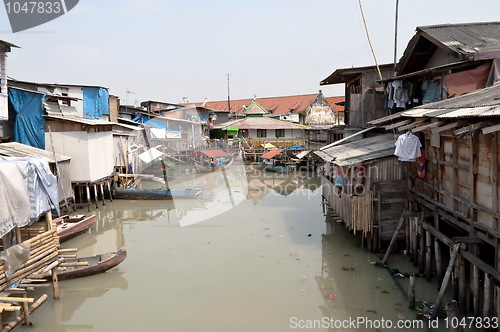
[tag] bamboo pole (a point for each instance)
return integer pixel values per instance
(444, 285)
(32, 308)
(421, 250)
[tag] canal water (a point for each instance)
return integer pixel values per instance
(253, 253)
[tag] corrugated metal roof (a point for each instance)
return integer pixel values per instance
(272, 153)
(90, 122)
(14, 149)
(481, 103)
(260, 123)
(278, 105)
(360, 151)
(466, 38)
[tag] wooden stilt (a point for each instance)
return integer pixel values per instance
(55, 284)
(428, 256)
(415, 241)
(487, 296)
(437, 257)
(444, 285)
(462, 296)
(475, 290)
(102, 193)
(96, 196)
(394, 238)
(88, 195)
(109, 189)
(411, 291)
(421, 249)
(26, 311)
(48, 220)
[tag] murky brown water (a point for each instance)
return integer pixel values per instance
(254, 253)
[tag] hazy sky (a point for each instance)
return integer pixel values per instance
(168, 50)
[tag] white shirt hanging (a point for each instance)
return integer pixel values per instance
(408, 147)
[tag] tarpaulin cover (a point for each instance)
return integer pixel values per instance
(211, 153)
(153, 122)
(272, 153)
(29, 122)
(95, 102)
(27, 190)
(467, 81)
(295, 147)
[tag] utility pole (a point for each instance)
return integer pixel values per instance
(228, 99)
(396, 35)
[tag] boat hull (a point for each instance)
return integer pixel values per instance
(98, 264)
(67, 229)
(150, 194)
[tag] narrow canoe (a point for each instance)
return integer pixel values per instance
(69, 227)
(97, 264)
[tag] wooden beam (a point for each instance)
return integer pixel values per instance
(385, 119)
(397, 124)
(491, 129)
(444, 285)
(412, 125)
(446, 127)
(394, 238)
(470, 128)
(427, 126)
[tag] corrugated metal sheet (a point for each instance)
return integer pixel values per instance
(481, 103)
(14, 149)
(90, 122)
(260, 123)
(272, 153)
(468, 37)
(360, 151)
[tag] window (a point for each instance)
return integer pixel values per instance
(280, 133)
(261, 133)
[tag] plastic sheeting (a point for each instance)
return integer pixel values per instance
(27, 190)
(14, 257)
(29, 122)
(95, 102)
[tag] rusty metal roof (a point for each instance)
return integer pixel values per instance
(260, 123)
(272, 153)
(376, 147)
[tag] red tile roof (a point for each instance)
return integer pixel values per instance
(276, 105)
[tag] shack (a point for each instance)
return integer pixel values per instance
(59, 165)
(363, 185)
(89, 143)
(459, 195)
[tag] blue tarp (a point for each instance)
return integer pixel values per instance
(29, 122)
(95, 102)
(153, 122)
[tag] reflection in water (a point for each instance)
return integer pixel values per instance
(253, 253)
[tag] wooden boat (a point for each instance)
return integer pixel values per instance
(204, 168)
(212, 160)
(71, 226)
(96, 264)
(152, 194)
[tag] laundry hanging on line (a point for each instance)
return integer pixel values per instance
(408, 147)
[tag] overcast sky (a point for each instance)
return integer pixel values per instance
(170, 50)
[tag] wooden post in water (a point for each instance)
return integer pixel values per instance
(88, 196)
(444, 285)
(394, 238)
(411, 291)
(421, 250)
(415, 241)
(462, 296)
(96, 196)
(475, 290)
(437, 257)
(487, 296)
(428, 255)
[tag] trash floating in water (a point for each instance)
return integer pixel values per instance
(400, 316)
(332, 297)
(347, 268)
(304, 289)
